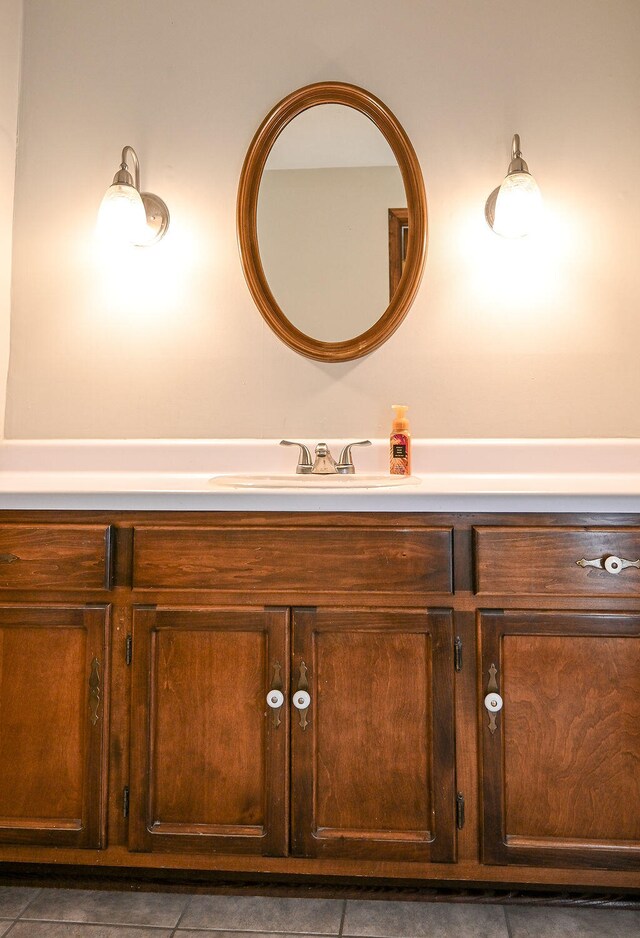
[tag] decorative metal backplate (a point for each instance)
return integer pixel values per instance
(94, 690)
(303, 684)
(276, 684)
(611, 564)
(492, 686)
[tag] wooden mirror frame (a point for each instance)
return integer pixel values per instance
(331, 92)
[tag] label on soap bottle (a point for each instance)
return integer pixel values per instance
(399, 455)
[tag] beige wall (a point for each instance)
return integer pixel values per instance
(10, 47)
(504, 339)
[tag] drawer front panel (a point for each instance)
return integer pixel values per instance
(322, 559)
(55, 557)
(558, 561)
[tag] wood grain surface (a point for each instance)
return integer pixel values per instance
(544, 560)
(55, 557)
(52, 776)
(208, 766)
(372, 773)
(327, 558)
(561, 776)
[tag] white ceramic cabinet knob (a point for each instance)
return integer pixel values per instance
(275, 699)
(301, 700)
(613, 565)
(493, 702)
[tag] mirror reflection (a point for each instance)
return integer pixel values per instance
(332, 222)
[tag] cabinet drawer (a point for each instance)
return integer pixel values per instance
(294, 559)
(55, 557)
(557, 561)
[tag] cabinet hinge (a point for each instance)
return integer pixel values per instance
(457, 653)
(128, 649)
(459, 810)
(125, 801)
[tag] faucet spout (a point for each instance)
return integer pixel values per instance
(324, 463)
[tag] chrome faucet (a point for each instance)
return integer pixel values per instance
(324, 463)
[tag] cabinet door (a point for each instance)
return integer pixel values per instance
(561, 771)
(209, 757)
(373, 754)
(52, 706)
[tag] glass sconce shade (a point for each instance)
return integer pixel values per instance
(513, 210)
(518, 206)
(128, 216)
(122, 217)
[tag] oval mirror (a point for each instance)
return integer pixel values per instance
(332, 221)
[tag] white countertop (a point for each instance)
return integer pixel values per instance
(449, 475)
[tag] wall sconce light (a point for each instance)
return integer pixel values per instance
(127, 215)
(513, 209)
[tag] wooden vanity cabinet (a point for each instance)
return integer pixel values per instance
(54, 683)
(372, 755)
(140, 647)
(561, 760)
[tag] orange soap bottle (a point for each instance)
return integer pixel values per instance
(400, 442)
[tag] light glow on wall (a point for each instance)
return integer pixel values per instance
(517, 281)
(142, 288)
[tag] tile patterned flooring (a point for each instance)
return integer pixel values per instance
(71, 913)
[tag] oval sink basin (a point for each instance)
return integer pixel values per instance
(362, 481)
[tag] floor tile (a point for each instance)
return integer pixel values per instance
(14, 899)
(108, 908)
(214, 933)
(264, 914)
(527, 922)
(74, 930)
(375, 919)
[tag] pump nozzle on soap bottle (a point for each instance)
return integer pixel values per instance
(400, 442)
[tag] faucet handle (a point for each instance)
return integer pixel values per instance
(305, 463)
(345, 463)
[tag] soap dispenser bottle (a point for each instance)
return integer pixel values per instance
(400, 442)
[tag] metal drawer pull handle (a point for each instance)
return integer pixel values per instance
(611, 564)
(275, 699)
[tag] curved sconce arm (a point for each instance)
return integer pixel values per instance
(136, 165)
